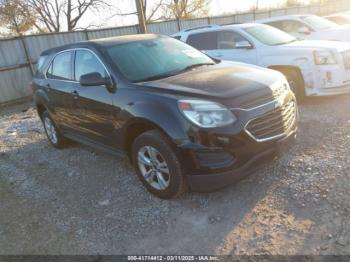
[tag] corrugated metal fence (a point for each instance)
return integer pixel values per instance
(18, 56)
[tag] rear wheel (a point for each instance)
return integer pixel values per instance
(53, 134)
(157, 165)
(296, 83)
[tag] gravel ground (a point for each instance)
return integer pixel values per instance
(80, 201)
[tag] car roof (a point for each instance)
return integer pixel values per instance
(101, 42)
(210, 28)
(279, 18)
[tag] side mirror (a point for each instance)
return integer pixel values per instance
(304, 30)
(94, 79)
(243, 45)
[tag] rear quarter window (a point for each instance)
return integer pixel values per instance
(41, 65)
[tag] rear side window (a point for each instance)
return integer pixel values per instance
(61, 67)
(86, 63)
(203, 41)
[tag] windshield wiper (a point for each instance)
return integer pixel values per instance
(157, 77)
(194, 66)
(172, 73)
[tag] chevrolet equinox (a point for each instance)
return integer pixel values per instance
(185, 120)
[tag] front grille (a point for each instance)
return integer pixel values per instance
(274, 123)
(264, 99)
(346, 58)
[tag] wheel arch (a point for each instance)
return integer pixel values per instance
(135, 128)
(283, 68)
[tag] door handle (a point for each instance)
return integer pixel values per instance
(75, 94)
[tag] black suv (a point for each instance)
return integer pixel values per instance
(183, 119)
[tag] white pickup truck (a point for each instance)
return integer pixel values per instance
(313, 68)
(311, 27)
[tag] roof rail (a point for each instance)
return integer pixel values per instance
(200, 27)
(235, 23)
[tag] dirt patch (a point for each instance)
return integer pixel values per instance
(80, 201)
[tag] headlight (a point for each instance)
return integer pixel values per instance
(324, 58)
(205, 113)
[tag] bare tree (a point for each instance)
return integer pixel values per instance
(151, 12)
(53, 14)
(16, 17)
(184, 9)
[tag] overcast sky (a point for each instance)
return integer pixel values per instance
(217, 7)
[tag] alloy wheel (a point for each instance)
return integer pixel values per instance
(153, 167)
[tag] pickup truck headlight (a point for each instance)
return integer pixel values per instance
(324, 58)
(206, 113)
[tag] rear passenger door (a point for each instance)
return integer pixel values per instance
(93, 103)
(59, 87)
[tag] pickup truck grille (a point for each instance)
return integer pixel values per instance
(346, 58)
(274, 123)
(264, 99)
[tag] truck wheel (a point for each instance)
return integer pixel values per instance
(157, 165)
(296, 83)
(53, 134)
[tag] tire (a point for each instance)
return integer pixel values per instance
(164, 185)
(53, 134)
(296, 83)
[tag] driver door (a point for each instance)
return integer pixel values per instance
(93, 104)
(234, 47)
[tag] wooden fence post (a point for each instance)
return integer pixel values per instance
(27, 54)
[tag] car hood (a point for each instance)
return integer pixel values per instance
(320, 44)
(338, 33)
(224, 80)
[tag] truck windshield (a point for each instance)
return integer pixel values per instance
(318, 23)
(157, 58)
(269, 35)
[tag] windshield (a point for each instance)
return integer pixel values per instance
(152, 58)
(269, 35)
(318, 23)
(340, 20)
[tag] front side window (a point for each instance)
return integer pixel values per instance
(61, 67)
(228, 39)
(203, 41)
(269, 35)
(319, 23)
(86, 63)
(154, 58)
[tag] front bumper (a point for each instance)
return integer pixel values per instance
(214, 181)
(220, 157)
(327, 80)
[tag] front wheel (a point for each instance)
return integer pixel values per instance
(296, 83)
(157, 165)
